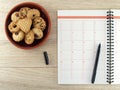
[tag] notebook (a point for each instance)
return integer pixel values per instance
(79, 33)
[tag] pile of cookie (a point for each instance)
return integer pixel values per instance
(27, 24)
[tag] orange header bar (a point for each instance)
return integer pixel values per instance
(87, 17)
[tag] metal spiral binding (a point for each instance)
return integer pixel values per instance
(110, 47)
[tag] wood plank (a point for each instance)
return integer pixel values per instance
(11, 56)
(40, 79)
(27, 78)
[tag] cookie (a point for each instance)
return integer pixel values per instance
(39, 22)
(29, 37)
(23, 12)
(15, 16)
(13, 27)
(33, 13)
(18, 36)
(37, 33)
(25, 24)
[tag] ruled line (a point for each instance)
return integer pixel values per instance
(87, 17)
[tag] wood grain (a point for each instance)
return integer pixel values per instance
(26, 69)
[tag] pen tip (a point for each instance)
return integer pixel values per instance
(92, 82)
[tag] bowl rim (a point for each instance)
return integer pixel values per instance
(49, 26)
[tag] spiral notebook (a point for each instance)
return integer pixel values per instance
(79, 33)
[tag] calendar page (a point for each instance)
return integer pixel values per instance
(79, 33)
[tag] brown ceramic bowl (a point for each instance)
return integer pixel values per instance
(46, 32)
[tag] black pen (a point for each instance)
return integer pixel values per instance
(46, 57)
(96, 64)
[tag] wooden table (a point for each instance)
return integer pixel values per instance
(26, 69)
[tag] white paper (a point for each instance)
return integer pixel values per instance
(78, 39)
